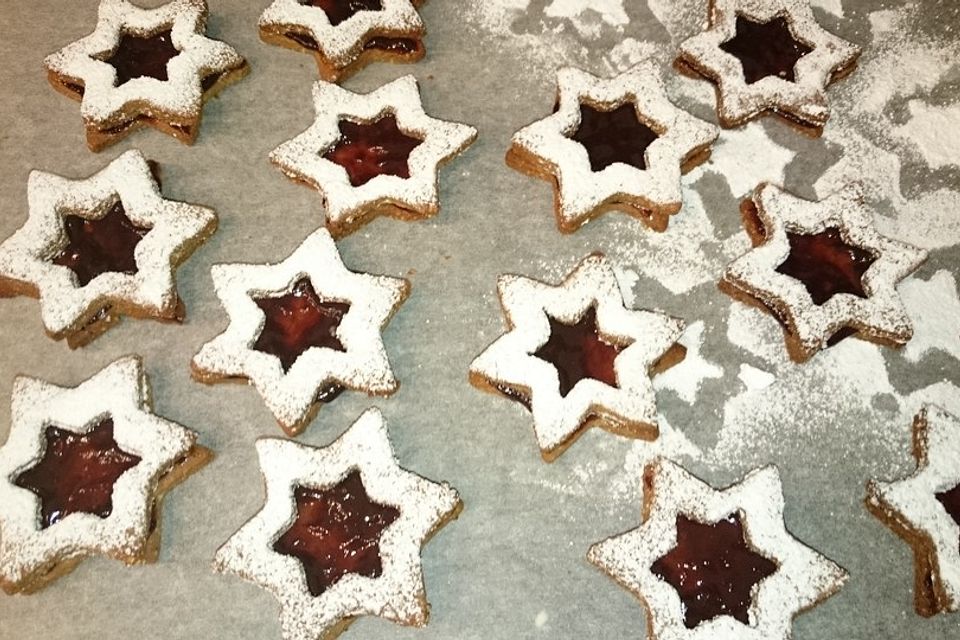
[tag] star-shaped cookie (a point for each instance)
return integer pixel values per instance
(302, 330)
(613, 144)
(83, 472)
(346, 35)
(372, 154)
(575, 356)
(710, 563)
(822, 269)
(924, 510)
(144, 67)
(768, 55)
(340, 533)
(97, 248)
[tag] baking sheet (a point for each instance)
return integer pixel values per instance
(513, 565)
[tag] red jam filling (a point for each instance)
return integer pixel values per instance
(297, 321)
(342, 10)
(138, 57)
(77, 472)
(826, 265)
(765, 49)
(614, 136)
(577, 351)
(951, 502)
(369, 149)
(712, 569)
(337, 531)
(100, 245)
(399, 46)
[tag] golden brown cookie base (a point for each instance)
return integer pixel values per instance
(655, 216)
(108, 310)
(598, 417)
(135, 115)
(197, 457)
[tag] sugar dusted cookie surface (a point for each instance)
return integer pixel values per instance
(144, 67)
(376, 516)
(575, 355)
(83, 473)
(613, 144)
(97, 248)
(372, 154)
(302, 330)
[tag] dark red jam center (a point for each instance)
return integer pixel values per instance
(712, 569)
(341, 10)
(369, 149)
(392, 45)
(826, 265)
(138, 57)
(765, 49)
(297, 321)
(577, 351)
(100, 245)
(951, 502)
(337, 531)
(77, 472)
(613, 136)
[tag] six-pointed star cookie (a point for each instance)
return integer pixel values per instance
(575, 355)
(340, 533)
(83, 472)
(100, 247)
(346, 35)
(716, 564)
(822, 269)
(768, 55)
(372, 154)
(924, 509)
(144, 67)
(302, 330)
(613, 144)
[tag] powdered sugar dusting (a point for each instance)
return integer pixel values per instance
(935, 131)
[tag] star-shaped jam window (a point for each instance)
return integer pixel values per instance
(766, 49)
(575, 356)
(370, 149)
(372, 154)
(336, 532)
(924, 510)
(768, 56)
(713, 569)
(97, 248)
(144, 68)
(302, 330)
(83, 472)
(77, 472)
(822, 270)
(716, 563)
(340, 532)
(100, 245)
(344, 36)
(613, 144)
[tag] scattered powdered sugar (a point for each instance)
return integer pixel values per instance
(681, 18)
(935, 131)
(745, 157)
(755, 379)
(934, 307)
(831, 6)
(589, 20)
(686, 378)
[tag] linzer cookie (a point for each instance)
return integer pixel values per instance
(575, 356)
(613, 144)
(346, 35)
(303, 330)
(144, 67)
(717, 564)
(372, 154)
(97, 248)
(924, 510)
(83, 472)
(340, 533)
(768, 56)
(822, 270)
